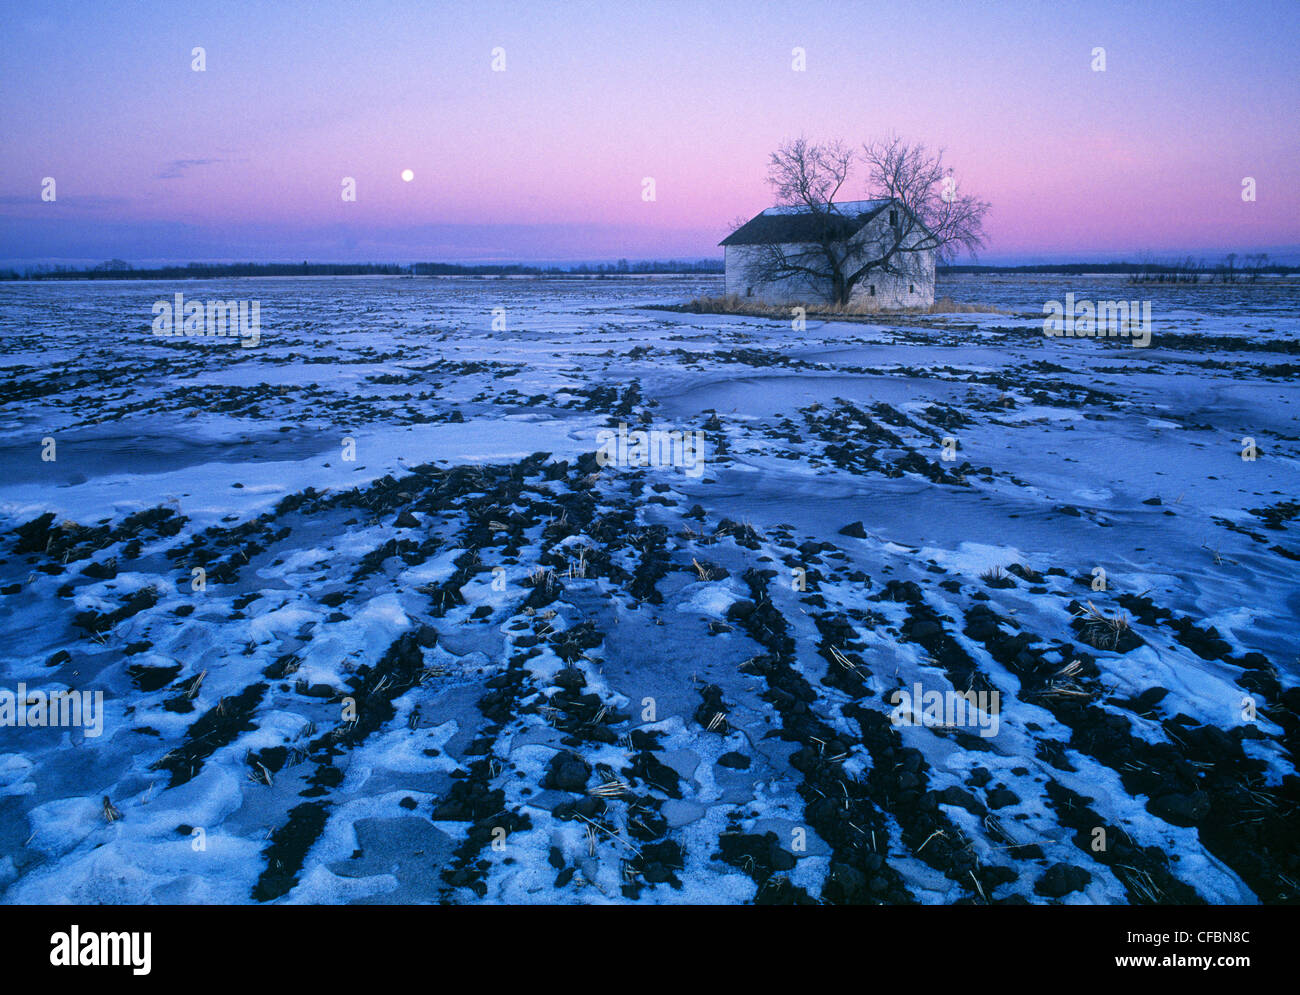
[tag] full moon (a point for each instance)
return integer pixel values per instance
(407, 176)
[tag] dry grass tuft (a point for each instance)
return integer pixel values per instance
(734, 304)
(1100, 630)
(613, 786)
(542, 577)
(578, 567)
(1065, 683)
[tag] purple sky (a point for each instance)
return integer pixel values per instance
(545, 160)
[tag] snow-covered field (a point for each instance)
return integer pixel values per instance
(372, 623)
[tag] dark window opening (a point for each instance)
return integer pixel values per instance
(872, 290)
(893, 219)
(911, 288)
(749, 292)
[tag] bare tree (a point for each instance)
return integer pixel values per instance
(1228, 268)
(1256, 264)
(929, 214)
(809, 176)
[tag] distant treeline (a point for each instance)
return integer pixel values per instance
(118, 269)
(1231, 269)
(582, 269)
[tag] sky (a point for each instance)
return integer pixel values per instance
(546, 159)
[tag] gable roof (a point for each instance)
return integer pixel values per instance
(797, 223)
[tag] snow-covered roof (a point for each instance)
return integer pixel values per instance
(799, 223)
(849, 208)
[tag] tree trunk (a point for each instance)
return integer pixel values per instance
(839, 288)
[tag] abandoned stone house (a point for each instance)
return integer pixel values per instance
(792, 233)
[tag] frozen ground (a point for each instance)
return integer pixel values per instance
(470, 664)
